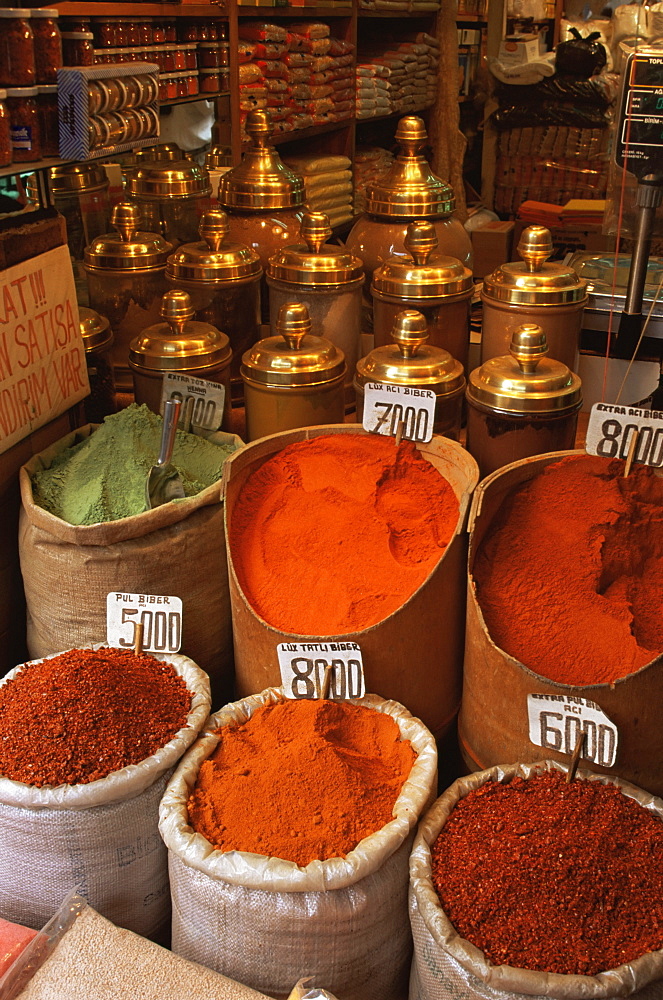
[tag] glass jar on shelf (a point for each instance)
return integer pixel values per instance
(24, 128)
(17, 53)
(5, 132)
(77, 48)
(47, 107)
(47, 44)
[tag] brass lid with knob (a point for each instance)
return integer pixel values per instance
(294, 356)
(315, 262)
(218, 156)
(525, 381)
(424, 274)
(531, 281)
(77, 178)
(216, 258)
(410, 188)
(164, 151)
(410, 361)
(95, 329)
(261, 181)
(181, 343)
(160, 180)
(128, 249)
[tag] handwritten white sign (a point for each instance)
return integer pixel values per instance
(42, 359)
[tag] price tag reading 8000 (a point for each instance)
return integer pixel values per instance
(161, 618)
(557, 720)
(202, 401)
(611, 428)
(388, 407)
(304, 664)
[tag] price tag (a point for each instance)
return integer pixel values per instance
(303, 666)
(611, 429)
(557, 720)
(202, 401)
(385, 406)
(161, 618)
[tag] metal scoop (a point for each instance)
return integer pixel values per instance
(163, 480)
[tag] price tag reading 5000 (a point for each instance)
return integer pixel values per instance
(303, 666)
(387, 407)
(161, 618)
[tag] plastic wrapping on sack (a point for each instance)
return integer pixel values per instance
(447, 966)
(262, 31)
(580, 55)
(100, 837)
(304, 990)
(550, 112)
(346, 915)
(599, 91)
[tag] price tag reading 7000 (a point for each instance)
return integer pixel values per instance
(303, 666)
(160, 616)
(388, 407)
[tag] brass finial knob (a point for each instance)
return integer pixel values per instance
(410, 331)
(421, 241)
(411, 134)
(259, 127)
(535, 246)
(528, 346)
(293, 323)
(315, 230)
(214, 227)
(125, 217)
(176, 309)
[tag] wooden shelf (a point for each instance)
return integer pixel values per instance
(194, 97)
(394, 114)
(299, 13)
(31, 168)
(471, 19)
(397, 14)
(164, 10)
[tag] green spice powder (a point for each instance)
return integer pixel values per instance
(103, 477)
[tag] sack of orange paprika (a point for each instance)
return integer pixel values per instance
(525, 885)
(280, 771)
(88, 741)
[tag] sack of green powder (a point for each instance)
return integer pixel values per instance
(177, 549)
(100, 837)
(265, 921)
(446, 965)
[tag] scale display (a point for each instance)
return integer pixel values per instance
(639, 145)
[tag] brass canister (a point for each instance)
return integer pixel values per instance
(522, 404)
(264, 198)
(328, 280)
(293, 379)
(410, 361)
(533, 291)
(222, 278)
(80, 194)
(408, 190)
(440, 287)
(126, 278)
(98, 342)
(183, 346)
(172, 195)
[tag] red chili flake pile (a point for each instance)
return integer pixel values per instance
(552, 877)
(79, 716)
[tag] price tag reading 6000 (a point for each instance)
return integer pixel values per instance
(161, 618)
(304, 664)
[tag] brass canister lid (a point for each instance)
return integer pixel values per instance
(164, 151)
(77, 178)
(531, 281)
(218, 156)
(95, 329)
(128, 249)
(424, 274)
(315, 262)
(525, 381)
(216, 258)
(160, 180)
(261, 181)
(410, 188)
(294, 356)
(179, 344)
(410, 361)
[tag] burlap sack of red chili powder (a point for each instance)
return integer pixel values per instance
(265, 921)
(448, 967)
(177, 550)
(100, 838)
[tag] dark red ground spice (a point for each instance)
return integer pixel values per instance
(80, 715)
(543, 875)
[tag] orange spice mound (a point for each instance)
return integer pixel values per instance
(570, 575)
(332, 535)
(301, 780)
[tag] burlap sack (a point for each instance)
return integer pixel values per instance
(177, 550)
(448, 967)
(101, 838)
(265, 921)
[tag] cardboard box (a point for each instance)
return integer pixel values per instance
(518, 49)
(492, 244)
(572, 238)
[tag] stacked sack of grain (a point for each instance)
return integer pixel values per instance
(320, 75)
(371, 162)
(412, 70)
(327, 183)
(374, 87)
(263, 73)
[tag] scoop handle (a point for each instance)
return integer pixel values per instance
(171, 416)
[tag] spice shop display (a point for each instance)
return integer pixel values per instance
(523, 884)
(293, 379)
(80, 193)
(387, 523)
(98, 341)
(564, 616)
(533, 291)
(439, 287)
(323, 802)
(408, 191)
(264, 198)
(409, 360)
(126, 281)
(89, 739)
(17, 51)
(521, 405)
(171, 196)
(328, 281)
(183, 346)
(222, 278)
(24, 131)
